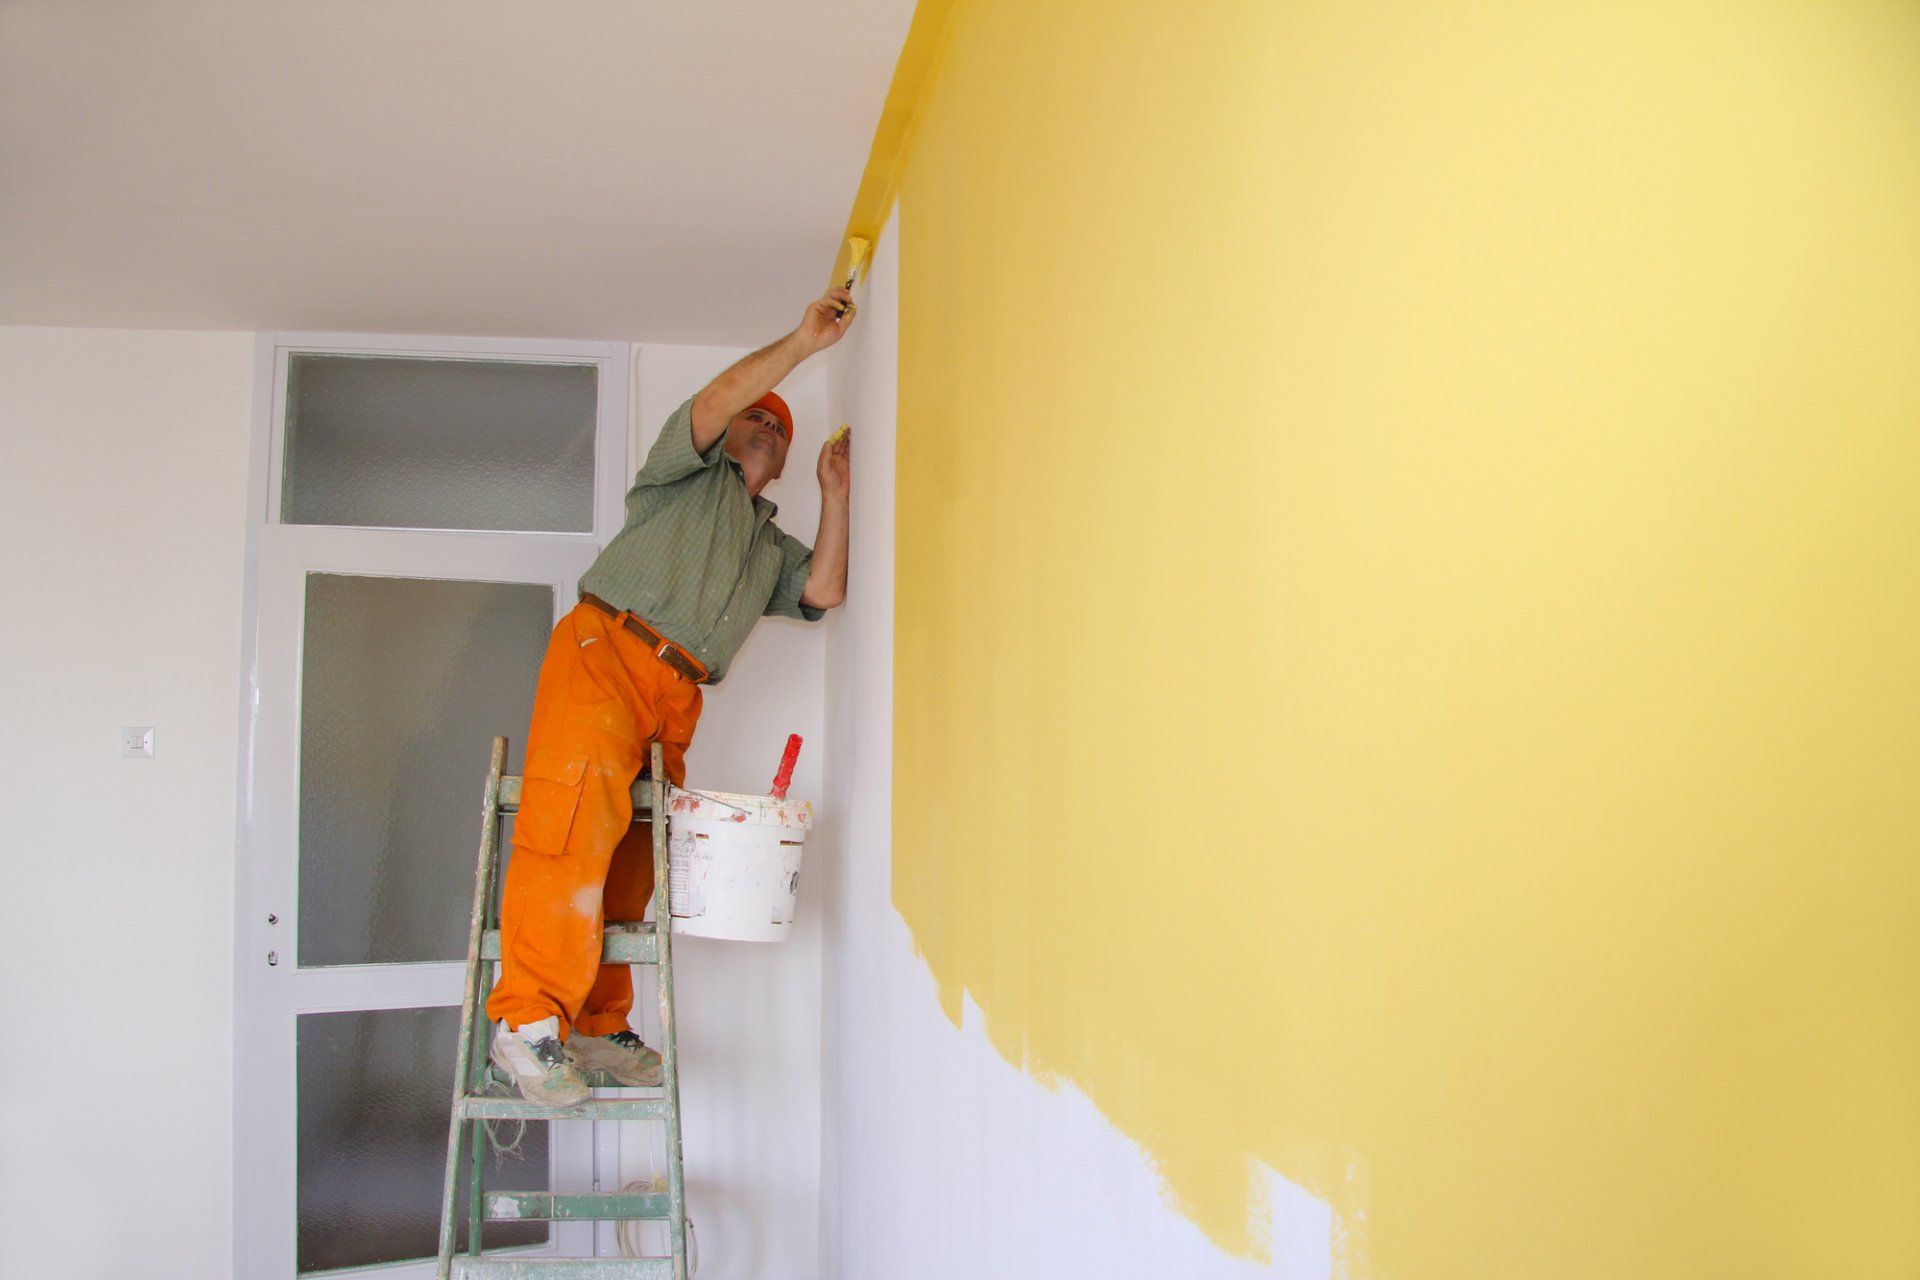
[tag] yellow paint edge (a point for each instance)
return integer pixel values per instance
(913, 76)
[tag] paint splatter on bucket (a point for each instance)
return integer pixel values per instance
(734, 863)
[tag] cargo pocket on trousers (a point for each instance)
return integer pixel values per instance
(549, 797)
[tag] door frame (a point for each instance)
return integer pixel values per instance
(268, 998)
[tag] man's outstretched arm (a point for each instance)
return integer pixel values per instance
(753, 376)
(827, 577)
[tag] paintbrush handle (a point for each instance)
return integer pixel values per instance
(783, 779)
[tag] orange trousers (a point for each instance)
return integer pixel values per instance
(602, 701)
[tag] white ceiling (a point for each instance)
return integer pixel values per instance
(646, 170)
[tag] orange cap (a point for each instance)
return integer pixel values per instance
(774, 405)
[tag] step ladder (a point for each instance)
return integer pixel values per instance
(481, 1093)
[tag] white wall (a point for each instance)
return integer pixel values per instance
(941, 1161)
(750, 1012)
(122, 508)
(123, 505)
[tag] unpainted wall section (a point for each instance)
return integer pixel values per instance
(123, 508)
(749, 1013)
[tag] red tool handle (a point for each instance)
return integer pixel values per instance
(784, 778)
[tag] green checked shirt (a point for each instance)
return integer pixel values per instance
(699, 560)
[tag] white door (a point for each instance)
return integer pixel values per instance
(424, 509)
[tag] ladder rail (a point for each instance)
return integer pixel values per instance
(669, 1041)
(465, 1070)
(472, 1013)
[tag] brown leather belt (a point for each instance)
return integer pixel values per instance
(664, 649)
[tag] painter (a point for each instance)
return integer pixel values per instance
(662, 612)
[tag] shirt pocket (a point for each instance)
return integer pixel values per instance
(549, 798)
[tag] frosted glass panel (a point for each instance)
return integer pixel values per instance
(405, 682)
(374, 1089)
(439, 444)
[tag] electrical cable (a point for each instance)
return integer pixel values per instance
(627, 1230)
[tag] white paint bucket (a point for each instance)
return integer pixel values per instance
(734, 863)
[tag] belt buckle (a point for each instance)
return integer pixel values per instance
(677, 658)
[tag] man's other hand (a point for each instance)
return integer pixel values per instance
(836, 466)
(827, 320)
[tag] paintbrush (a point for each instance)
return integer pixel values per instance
(857, 249)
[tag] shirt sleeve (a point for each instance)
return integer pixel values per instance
(672, 456)
(796, 561)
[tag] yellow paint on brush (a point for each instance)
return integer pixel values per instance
(1407, 619)
(857, 250)
(856, 255)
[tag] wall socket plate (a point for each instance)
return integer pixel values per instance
(136, 742)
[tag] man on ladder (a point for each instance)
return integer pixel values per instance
(661, 612)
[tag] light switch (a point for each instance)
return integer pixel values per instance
(136, 742)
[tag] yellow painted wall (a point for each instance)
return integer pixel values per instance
(1409, 612)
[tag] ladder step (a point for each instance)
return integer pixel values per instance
(482, 1107)
(642, 794)
(466, 1266)
(621, 942)
(501, 1081)
(550, 1206)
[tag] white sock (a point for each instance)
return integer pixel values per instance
(534, 1032)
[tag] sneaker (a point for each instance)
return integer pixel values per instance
(621, 1055)
(532, 1057)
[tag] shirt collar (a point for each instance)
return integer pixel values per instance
(763, 508)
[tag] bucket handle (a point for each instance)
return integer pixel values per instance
(716, 799)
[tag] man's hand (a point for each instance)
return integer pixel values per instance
(826, 584)
(753, 376)
(827, 320)
(836, 465)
